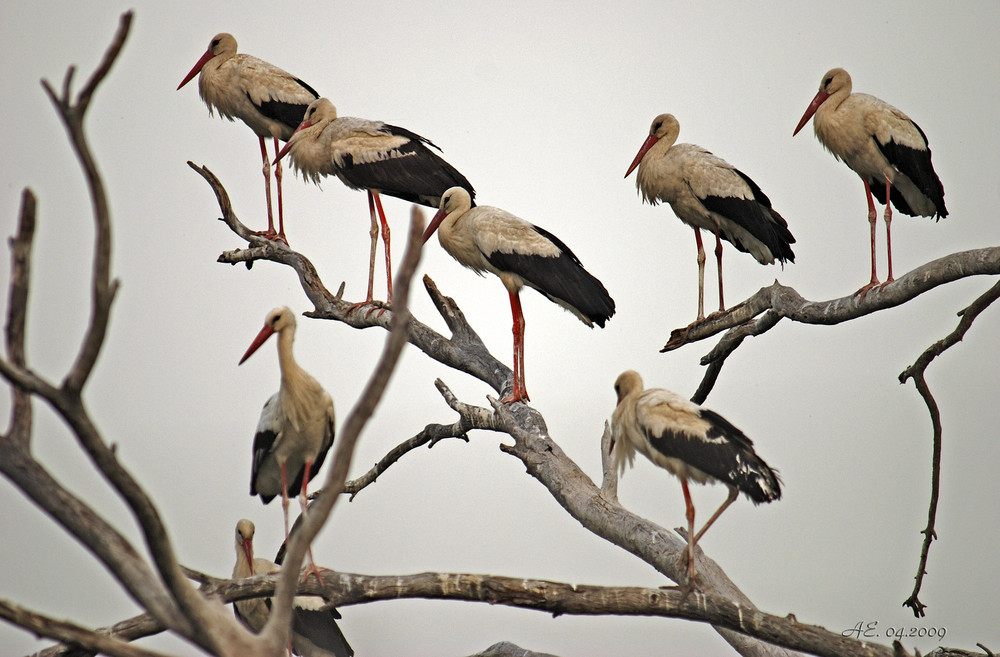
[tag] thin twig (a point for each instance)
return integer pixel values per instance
(362, 411)
(916, 372)
(19, 432)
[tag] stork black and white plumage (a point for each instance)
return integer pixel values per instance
(373, 156)
(296, 426)
(269, 100)
(690, 442)
(488, 239)
(884, 147)
(315, 632)
(706, 192)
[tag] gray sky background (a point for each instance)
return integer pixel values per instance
(542, 107)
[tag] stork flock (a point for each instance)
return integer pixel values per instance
(296, 429)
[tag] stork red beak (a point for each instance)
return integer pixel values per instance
(248, 551)
(261, 338)
(197, 67)
(288, 144)
(646, 145)
(820, 98)
(433, 225)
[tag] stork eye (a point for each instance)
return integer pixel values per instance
(215, 42)
(657, 126)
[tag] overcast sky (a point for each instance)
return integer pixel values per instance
(542, 107)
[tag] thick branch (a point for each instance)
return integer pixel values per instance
(557, 598)
(786, 302)
(71, 633)
(279, 620)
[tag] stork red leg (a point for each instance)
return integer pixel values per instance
(373, 233)
(701, 274)
(267, 190)
(312, 568)
(733, 492)
(385, 242)
(284, 496)
(691, 538)
(872, 219)
(519, 393)
(718, 259)
(888, 232)
(277, 184)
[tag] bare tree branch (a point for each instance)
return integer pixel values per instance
(786, 302)
(916, 372)
(280, 620)
(557, 598)
(19, 432)
(178, 605)
(71, 633)
(543, 458)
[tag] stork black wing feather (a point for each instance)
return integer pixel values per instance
(725, 453)
(263, 441)
(916, 165)
(411, 172)
(757, 217)
(315, 633)
(562, 279)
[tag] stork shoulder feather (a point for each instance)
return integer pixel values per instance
(660, 411)
(504, 232)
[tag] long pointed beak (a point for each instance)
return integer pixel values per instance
(433, 225)
(261, 338)
(646, 145)
(288, 144)
(818, 100)
(248, 551)
(197, 67)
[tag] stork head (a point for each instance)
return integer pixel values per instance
(221, 44)
(244, 540)
(319, 111)
(278, 320)
(627, 382)
(665, 127)
(456, 199)
(835, 80)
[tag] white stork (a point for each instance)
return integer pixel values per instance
(296, 426)
(883, 146)
(488, 239)
(266, 98)
(690, 442)
(373, 156)
(706, 192)
(315, 632)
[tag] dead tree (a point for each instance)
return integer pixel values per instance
(190, 604)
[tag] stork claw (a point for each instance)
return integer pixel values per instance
(863, 291)
(312, 569)
(271, 235)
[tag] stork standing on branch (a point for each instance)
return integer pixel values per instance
(315, 632)
(296, 426)
(690, 442)
(488, 239)
(883, 146)
(376, 157)
(266, 98)
(706, 192)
